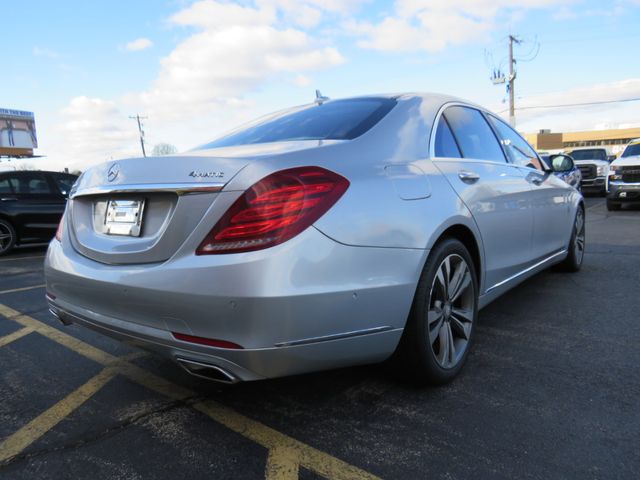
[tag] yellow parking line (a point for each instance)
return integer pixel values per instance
(13, 259)
(22, 289)
(12, 337)
(282, 464)
(36, 428)
(285, 451)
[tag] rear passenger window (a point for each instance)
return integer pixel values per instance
(32, 183)
(445, 144)
(474, 135)
(518, 150)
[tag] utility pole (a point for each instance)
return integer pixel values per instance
(138, 118)
(512, 80)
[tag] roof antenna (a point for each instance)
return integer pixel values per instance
(320, 99)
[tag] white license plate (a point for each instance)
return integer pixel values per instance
(124, 217)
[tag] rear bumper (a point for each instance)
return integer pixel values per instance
(309, 304)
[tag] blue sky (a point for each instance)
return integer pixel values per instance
(203, 67)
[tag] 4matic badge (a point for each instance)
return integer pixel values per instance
(200, 174)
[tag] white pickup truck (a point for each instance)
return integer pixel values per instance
(593, 163)
(623, 181)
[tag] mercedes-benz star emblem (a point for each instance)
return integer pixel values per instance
(114, 171)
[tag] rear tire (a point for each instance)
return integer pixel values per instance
(613, 206)
(7, 237)
(574, 259)
(441, 325)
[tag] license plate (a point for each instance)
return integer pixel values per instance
(124, 217)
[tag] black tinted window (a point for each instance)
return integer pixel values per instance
(6, 184)
(632, 149)
(445, 144)
(518, 150)
(474, 135)
(589, 154)
(64, 183)
(32, 183)
(334, 120)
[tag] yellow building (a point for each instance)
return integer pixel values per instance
(613, 140)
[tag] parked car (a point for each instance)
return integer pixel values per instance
(623, 182)
(564, 168)
(327, 235)
(593, 163)
(31, 205)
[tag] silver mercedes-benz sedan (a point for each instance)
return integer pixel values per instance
(338, 233)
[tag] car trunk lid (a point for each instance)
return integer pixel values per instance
(141, 210)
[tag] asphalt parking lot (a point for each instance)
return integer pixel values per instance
(551, 390)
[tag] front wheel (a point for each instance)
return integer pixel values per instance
(441, 324)
(7, 237)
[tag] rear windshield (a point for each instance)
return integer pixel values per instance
(633, 149)
(333, 120)
(589, 154)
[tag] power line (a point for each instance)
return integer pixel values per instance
(582, 104)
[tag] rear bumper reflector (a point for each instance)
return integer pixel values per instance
(211, 342)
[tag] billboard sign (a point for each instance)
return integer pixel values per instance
(17, 133)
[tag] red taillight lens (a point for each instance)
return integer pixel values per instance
(275, 209)
(60, 228)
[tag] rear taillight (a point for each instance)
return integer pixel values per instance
(60, 228)
(275, 209)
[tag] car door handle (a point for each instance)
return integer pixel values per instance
(468, 177)
(8, 199)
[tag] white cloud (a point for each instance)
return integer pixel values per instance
(301, 81)
(92, 130)
(234, 50)
(45, 52)
(432, 25)
(139, 44)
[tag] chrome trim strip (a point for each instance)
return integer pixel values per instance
(336, 336)
(177, 188)
(526, 270)
(622, 184)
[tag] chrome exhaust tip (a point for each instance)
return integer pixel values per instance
(62, 320)
(207, 371)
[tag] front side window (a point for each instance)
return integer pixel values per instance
(333, 120)
(474, 135)
(445, 144)
(518, 150)
(6, 185)
(64, 183)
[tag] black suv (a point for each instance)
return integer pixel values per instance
(31, 204)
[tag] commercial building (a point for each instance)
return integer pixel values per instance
(614, 140)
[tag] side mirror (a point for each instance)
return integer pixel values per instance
(611, 158)
(562, 163)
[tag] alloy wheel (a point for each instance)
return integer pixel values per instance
(451, 311)
(6, 237)
(579, 237)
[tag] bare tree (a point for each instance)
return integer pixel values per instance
(27, 166)
(164, 149)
